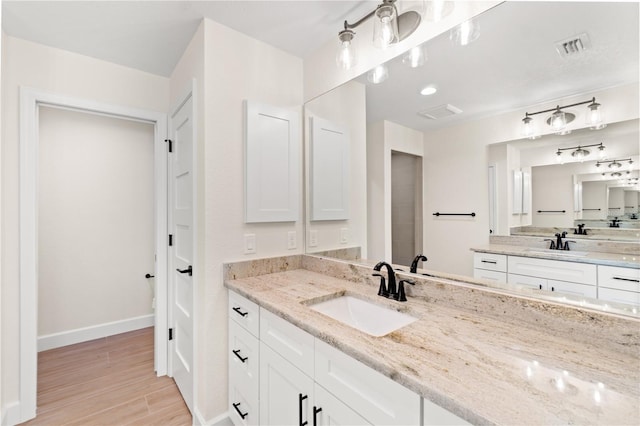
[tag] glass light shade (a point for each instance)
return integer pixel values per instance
(630, 165)
(579, 154)
(558, 121)
(559, 158)
(346, 57)
(415, 57)
(602, 152)
(378, 74)
(385, 26)
(615, 165)
(465, 33)
(594, 117)
(438, 9)
(527, 127)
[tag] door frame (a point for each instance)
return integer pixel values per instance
(30, 102)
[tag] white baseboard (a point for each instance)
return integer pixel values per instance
(56, 340)
(11, 415)
(222, 420)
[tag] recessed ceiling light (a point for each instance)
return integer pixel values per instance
(429, 90)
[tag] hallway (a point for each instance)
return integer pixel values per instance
(108, 381)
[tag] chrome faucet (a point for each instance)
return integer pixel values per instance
(414, 264)
(390, 290)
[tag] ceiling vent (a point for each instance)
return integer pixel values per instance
(439, 112)
(573, 45)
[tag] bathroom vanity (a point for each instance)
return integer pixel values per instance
(473, 355)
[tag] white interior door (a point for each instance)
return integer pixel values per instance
(181, 221)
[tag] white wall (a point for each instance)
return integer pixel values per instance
(382, 138)
(594, 196)
(344, 106)
(95, 220)
(33, 65)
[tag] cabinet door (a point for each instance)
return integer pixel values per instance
(626, 279)
(328, 410)
(286, 393)
(482, 274)
(574, 272)
(434, 415)
(572, 288)
(490, 261)
(527, 281)
(619, 296)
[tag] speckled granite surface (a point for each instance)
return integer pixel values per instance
(610, 234)
(488, 357)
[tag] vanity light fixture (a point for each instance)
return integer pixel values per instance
(580, 153)
(616, 164)
(389, 27)
(559, 118)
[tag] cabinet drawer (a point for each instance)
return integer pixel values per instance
(483, 274)
(627, 279)
(333, 411)
(244, 361)
(526, 281)
(572, 288)
(490, 261)
(244, 312)
(619, 296)
(380, 400)
(294, 344)
(582, 273)
(242, 410)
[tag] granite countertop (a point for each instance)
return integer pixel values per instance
(597, 258)
(474, 352)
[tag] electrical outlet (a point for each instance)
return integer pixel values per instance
(291, 240)
(344, 235)
(313, 238)
(249, 243)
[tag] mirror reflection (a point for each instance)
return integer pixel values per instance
(446, 137)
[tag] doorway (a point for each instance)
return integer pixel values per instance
(406, 207)
(31, 102)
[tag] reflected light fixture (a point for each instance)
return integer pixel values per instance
(616, 164)
(559, 119)
(415, 57)
(378, 74)
(465, 33)
(389, 27)
(580, 153)
(438, 9)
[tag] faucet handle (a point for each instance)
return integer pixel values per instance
(566, 244)
(401, 296)
(382, 291)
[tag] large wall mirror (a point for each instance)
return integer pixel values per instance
(413, 155)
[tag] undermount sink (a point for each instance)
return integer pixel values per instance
(566, 253)
(368, 317)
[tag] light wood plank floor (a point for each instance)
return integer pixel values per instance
(108, 381)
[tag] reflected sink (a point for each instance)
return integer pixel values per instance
(565, 253)
(368, 317)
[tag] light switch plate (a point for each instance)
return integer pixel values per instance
(249, 243)
(291, 240)
(344, 235)
(313, 238)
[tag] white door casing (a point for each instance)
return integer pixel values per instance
(181, 252)
(30, 101)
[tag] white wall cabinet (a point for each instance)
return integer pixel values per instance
(303, 380)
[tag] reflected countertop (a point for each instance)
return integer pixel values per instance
(487, 357)
(597, 258)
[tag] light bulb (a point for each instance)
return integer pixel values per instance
(415, 58)
(558, 121)
(527, 127)
(594, 116)
(385, 26)
(346, 56)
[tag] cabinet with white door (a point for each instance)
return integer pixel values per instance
(618, 284)
(489, 266)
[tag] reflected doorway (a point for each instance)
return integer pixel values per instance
(406, 207)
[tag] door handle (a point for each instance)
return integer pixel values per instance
(300, 399)
(316, 410)
(189, 271)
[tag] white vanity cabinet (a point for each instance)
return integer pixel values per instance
(553, 275)
(434, 415)
(619, 284)
(244, 361)
(489, 266)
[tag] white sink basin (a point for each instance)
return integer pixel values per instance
(565, 253)
(368, 317)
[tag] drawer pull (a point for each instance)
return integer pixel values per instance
(627, 279)
(316, 410)
(540, 286)
(239, 312)
(493, 262)
(237, 353)
(242, 416)
(300, 399)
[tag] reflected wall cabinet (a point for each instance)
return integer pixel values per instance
(328, 170)
(272, 163)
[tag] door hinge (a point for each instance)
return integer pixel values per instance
(170, 144)
(170, 240)
(171, 334)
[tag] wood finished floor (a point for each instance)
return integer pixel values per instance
(108, 381)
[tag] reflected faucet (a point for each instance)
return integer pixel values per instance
(414, 264)
(391, 287)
